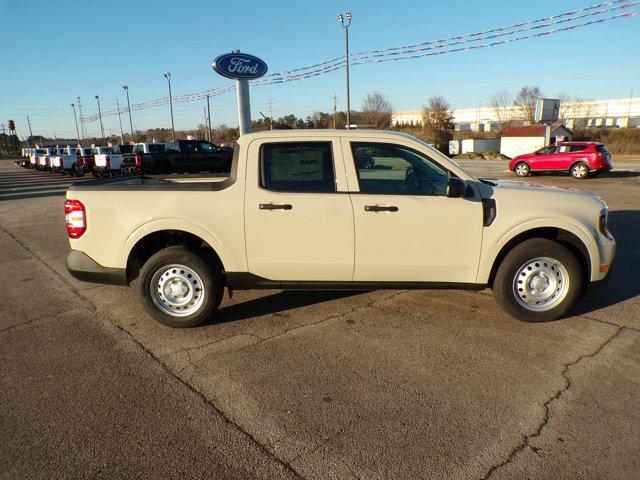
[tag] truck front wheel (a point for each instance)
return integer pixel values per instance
(179, 288)
(539, 280)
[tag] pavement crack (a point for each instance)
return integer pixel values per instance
(526, 439)
(324, 442)
(244, 433)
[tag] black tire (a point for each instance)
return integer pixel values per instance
(504, 283)
(77, 170)
(163, 168)
(579, 170)
(212, 287)
(522, 169)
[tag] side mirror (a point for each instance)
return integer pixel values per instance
(456, 188)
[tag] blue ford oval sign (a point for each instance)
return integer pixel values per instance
(239, 66)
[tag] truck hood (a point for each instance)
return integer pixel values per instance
(529, 191)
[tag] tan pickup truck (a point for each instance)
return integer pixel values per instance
(327, 209)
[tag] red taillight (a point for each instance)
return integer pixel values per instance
(107, 160)
(76, 218)
(85, 160)
(46, 160)
(138, 159)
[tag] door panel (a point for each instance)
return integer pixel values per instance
(428, 239)
(406, 228)
(298, 225)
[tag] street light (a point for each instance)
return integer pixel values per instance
(173, 128)
(100, 117)
(76, 118)
(345, 27)
(120, 121)
(126, 89)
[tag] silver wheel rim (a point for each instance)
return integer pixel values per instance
(541, 284)
(580, 171)
(177, 290)
(522, 170)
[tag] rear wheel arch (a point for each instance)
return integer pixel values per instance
(565, 238)
(158, 240)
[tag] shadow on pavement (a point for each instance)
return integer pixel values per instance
(624, 281)
(277, 303)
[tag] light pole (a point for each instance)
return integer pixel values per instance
(100, 117)
(76, 118)
(120, 121)
(209, 118)
(173, 128)
(126, 89)
(345, 27)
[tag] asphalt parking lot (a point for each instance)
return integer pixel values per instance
(383, 384)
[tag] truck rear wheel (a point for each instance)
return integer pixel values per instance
(179, 288)
(538, 281)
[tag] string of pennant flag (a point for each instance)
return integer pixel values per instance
(597, 14)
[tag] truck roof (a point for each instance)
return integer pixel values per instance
(323, 133)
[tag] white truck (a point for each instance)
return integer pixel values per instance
(68, 161)
(329, 209)
(108, 160)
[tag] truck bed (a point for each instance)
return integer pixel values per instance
(201, 182)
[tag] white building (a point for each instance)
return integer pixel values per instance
(622, 112)
(529, 138)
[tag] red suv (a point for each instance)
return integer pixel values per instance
(580, 159)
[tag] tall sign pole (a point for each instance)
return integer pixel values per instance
(241, 67)
(244, 106)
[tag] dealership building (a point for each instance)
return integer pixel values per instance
(621, 113)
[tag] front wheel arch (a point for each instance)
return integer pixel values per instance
(563, 237)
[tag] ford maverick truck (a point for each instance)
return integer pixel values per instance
(329, 209)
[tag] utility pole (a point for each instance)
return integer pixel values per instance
(4, 138)
(270, 115)
(629, 111)
(76, 119)
(335, 106)
(100, 117)
(126, 89)
(345, 27)
(120, 121)
(84, 132)
(173, 128)
(209, 117)
(30, 132)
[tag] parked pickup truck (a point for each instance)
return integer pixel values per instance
(300, 210)
(108, 160)
(181, 156)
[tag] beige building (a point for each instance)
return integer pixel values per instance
(621, 112)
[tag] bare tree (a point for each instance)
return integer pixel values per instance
(500, 102)
(376, 111)
(566, 107)
(438, 123)
(527, 99)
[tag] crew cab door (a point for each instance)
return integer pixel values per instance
(298, 215)
(407, 229)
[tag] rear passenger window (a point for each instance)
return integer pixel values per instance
(297, 167)
(578, 148)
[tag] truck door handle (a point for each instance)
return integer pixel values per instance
(378, 208)
(275, 206)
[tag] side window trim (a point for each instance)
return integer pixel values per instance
(262, 180)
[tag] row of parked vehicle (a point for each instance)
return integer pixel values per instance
(181, 156)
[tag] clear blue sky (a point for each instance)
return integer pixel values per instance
(54, 51)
